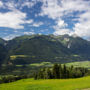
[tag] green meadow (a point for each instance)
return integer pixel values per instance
(85, 64)
(53, 84)
(13, 57)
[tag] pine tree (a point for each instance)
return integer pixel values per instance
(40, 74)
(71, 71)
(56, 73)
(47, 74)
(35, 76)
(64, 71)
(60, 70)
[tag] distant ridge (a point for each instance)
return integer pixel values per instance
(40, 48)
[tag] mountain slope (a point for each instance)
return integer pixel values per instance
(75, 44)
(3, 42)
(47, 48)
(3, 53)
(38, 49)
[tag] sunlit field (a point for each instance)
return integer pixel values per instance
(57, 84)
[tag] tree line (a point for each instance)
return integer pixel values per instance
(11, 78)
(59, 71)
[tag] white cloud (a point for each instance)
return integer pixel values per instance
(61, 23)
(60, 28)
(62, 32)
(11, 36)
(51, 8)
(28, 4)
(57, 9)
(14, 19)
(82, 28)
(29, 21)
(17, 34)
(1, 4)
(29, 33)
(37, 24)
(19, 4)
(11, 5)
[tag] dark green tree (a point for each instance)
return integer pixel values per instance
(47, 74)
(60, 71)
(56, 71)
(64, 71)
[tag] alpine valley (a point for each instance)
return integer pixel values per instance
(28, 50)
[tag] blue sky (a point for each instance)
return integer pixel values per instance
(58, 17)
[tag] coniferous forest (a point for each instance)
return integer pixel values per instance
(59, 71)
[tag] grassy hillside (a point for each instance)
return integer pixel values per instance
(85, 64)
(64, 84)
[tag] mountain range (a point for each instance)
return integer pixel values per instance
(29, 49)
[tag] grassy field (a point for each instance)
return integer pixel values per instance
(41, 64)
(85, 64)
(13, 57)
(57, 84)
